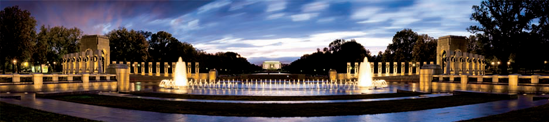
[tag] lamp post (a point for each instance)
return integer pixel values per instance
(493, 66)
(14, 66)
(53, 70)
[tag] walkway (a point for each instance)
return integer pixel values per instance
(124, 115)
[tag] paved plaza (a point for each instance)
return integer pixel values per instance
(101, 113)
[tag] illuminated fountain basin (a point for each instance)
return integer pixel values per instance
(275, 87)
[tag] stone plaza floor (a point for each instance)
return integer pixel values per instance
(456, 113)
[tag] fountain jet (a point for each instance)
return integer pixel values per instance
(179, 76)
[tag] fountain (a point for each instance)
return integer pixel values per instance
(365, 76)
(179, 76)
(273, 87)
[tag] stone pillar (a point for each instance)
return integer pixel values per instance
(395, 68)
(63, 65)
(142, 68)
(349, 68)
(481, 65)
(472, 63)
(93, 60)
(451, 78)
(189, 75)
(440, 78)
(425, 79)
(97, 77)
(213, 75)
(387, 68)
(197, 71)
(431, 62)
(16, 78)
(495, 79)
(379, 68)
(457, 63)
(55, 77)
(166, 66)
(464, 80)
(157, 68)
(149, 67)
(37, 79)
(513, 83)
(464, 63)
(372, 68)
(480, 79)
(333, 74)
(135, 69)
(410, 68)
(355, 75)
(535, 79)
(85, 78)
(417, 68)
(122, 76)
(77, 66)
(129, 64)
(424, 63)
(69, 77)
(402, 68)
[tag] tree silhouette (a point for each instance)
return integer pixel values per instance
(504, 26)
(16, 35)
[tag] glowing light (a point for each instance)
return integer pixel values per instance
(365, 76)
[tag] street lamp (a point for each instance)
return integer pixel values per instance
(53, 67)
(14, 66)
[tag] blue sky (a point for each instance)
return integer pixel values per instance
(259, 29)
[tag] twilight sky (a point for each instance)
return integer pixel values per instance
(261, 30)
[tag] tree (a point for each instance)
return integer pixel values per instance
(402, 46)
(127, 45)
(54, 42)
(424, 49)
(158, 45)
(16, 35)
(503, 24)
(335, 56)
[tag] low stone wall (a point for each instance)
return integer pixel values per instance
(61, 87)
(514, 83)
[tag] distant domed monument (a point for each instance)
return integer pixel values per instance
(271, 65)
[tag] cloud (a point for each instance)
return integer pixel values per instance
(293, 27)
(275, 16)
(276, 5)
(324, 20)
(316, 6)
(303, 17)
(213, 5)
(366, 12)
(281, 47)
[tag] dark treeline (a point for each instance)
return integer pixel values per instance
(407, 46)
(514, 31)
(335, 56)
(138, 46)
(20, 43)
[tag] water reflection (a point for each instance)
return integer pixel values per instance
(269, 87)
